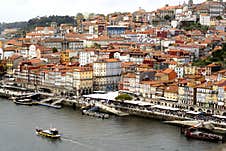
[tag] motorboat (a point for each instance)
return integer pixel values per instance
(202, 134)
(23, 101)
(50, 133)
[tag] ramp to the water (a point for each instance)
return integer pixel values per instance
(46, 100)
(110, 109)
(183, 123)
(57, 101)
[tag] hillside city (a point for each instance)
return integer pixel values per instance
(174, 56)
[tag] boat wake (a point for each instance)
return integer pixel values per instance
(76, 142)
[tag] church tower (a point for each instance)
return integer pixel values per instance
(190, 3)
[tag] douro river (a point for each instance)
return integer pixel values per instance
(84, 133)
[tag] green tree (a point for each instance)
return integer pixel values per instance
(97, 46)
(194, 26)
(54, 49)
(219, 18)
(167, 17)
(3, 68)
(47, 20)
(217, 57)
(124, 97)
(91, 16)
(79, 18)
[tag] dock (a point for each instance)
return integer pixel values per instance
(51, 102)
(95, 114)
(215, 128)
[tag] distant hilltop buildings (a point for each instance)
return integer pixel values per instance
(173, 56)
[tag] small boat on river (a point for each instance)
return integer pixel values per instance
(50, 133)
(203, 132)
(202, 135)
(23, 101)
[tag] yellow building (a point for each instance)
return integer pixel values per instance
(190, 70)
(171, 93)
(1, 44)
(64, 56)
(83, 80)
(9, 65)
(161, 76)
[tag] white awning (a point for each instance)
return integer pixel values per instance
(193, 112)
(220, 103)
(108, 96)
(140, 103)
(219, 116)
(165, 107)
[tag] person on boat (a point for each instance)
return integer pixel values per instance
(38, 130)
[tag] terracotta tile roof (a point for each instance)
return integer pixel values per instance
(159, 74)
(38, 34)
(183, 81)
(220, 83)
(35, 61)
(213, 65)
(83, 69)
(14, 42)
(205, 85)
(127, 64)
(112, 60)
(169, 8)
(172, 89)
(53, 40)
(15, 56)
(42, 28)
(11, 48)
(168, 70)
(222, 71)
(151, 82)
(130, 75)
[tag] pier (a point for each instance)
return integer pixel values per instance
(52, 102)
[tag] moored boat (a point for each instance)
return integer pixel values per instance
(51, 133)
(23, 101)
(202, 134)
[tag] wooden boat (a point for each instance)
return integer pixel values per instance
(50, 133)
(23, 101)
(202, 134)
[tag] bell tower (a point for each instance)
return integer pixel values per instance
(190, 3)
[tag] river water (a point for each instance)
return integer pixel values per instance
(84, 133)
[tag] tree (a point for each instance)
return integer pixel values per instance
(91, 16)
(79, 18)
(217, 57)
(124, 97)
(54, 49)
(3, 68)
(167, 17)
(46, 21)
(219, 18)
(194, 26)
(96, 45)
